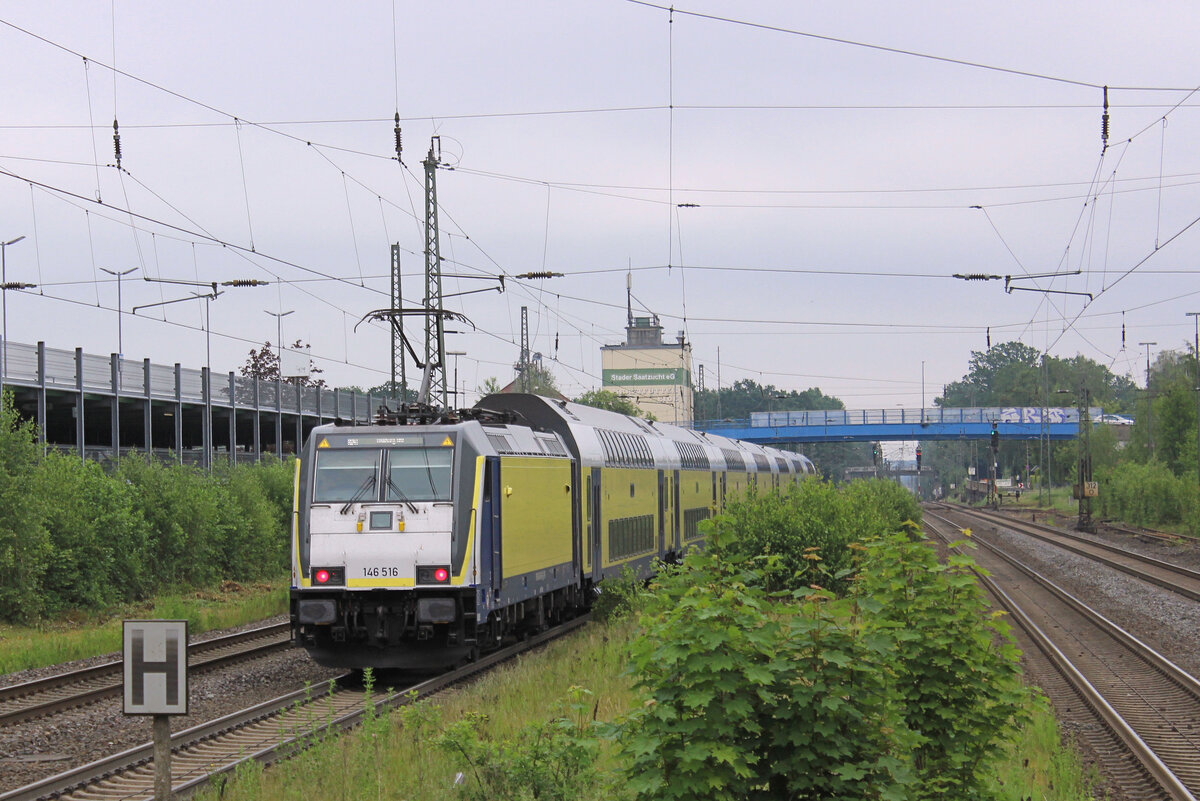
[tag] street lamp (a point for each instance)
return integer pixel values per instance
(207, 297)
(1149, 400)
(4, 303)
(279, 334)
(120, 339)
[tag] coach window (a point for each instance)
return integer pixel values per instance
(346, 475)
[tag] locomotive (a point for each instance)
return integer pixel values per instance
(428, 536)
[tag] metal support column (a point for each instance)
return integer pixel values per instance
(115, 366)
(279, 417)
(299, 420)
(257, 425)
(206, 437)
(1084, 523)
(148, 411)
(178, 413)
(79, 428)
(232, 419)
(41, 394)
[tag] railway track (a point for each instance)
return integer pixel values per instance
(64, 691)
(1139, 712)
(1176, 578)
(265, 733)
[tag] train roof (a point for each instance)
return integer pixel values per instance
(599, 437)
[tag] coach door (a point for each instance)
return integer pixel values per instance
(592, 521)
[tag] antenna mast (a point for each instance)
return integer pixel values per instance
(435, 331)
(629, 299)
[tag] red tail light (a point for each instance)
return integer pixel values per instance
(441, 574)
(321, 576)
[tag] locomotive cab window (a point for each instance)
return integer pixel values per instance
(346, 475)
(419, 474)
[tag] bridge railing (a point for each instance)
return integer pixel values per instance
(849, 417)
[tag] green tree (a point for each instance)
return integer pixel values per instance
(25, 546)
(263, 364)
(1015, 374)
(606, 399)
(489, 387)
(541, 380)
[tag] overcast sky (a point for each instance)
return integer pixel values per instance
(793, 184)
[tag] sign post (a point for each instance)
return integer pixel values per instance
(155, 662)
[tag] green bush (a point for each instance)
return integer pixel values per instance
(74, 537)
(906, 688)
(99, 538)
(754, 695)
(1149, 495)
(621, 596)
(809, 527)
(24, 542)
(953, 662)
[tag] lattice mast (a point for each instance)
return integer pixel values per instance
(399, 374)
(435, 330)
(524, 377)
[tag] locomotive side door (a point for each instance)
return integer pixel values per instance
(491, 552)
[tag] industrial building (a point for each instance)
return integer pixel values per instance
(654, 375)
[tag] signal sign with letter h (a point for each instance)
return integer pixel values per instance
(155, 653)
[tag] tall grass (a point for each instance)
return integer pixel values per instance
(397, 757)
(1040, 765)
(24, 647)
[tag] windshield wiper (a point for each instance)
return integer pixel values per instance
(400, 495)
(367, 485)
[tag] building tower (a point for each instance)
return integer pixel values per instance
(655, 375)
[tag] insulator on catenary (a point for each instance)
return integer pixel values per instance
(399, 139)
(245, 282)
(117, 143)
(540, 274)
(1104, 120)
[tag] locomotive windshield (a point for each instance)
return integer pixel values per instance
(345, 475)
(412, 474)
(418, 474)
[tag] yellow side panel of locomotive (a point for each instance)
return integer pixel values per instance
(535, 509)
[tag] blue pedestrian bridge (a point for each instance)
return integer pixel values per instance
(875, 425)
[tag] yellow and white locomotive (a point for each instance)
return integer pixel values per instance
(428, 536)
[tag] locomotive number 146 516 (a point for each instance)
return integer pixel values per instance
(381, 572)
